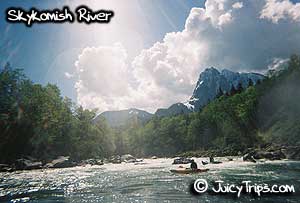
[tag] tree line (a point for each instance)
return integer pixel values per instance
(37, 121)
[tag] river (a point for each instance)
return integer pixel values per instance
(149, 182)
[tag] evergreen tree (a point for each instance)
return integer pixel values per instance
(250, 82)
(233, 91)
(294, 62)
(220, 93)
(258, 82)
(239, 88)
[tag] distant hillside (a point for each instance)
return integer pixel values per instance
(124, 117)
(278, 110)
(175, 109)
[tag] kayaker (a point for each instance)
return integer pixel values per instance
(194, 165)
(211, 159)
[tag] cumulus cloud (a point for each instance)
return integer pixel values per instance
(276, 10)
(68, 75)
(237, 5)
(231, 34)
(102, 77)
(106, 82)
(225, 18)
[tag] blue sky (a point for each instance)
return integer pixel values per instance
(46, 52)
(151, 54)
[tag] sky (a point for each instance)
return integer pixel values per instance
(151, 53)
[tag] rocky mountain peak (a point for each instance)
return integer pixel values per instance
(210, 82)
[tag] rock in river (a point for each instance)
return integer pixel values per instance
(292, 152)
(128, 158)
(61, 162)
(92, 162)
(115, 159)
(182, 160)
(26, 164)
(262, 154)
(5, 168)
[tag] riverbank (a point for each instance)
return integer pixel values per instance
(267, 151)
(30, 163)
(264, 152)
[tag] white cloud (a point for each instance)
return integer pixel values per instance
(238, 5)
(102, 77)
(68, 75)
(276, 10)
(220, 34)
(225, 18)
(106, 82)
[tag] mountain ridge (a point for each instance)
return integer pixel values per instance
(122, 117)
(210, 82)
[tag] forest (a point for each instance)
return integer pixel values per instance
(37, 121)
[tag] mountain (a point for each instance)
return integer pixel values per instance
(123, 117)
(264, 117)
(175, 109)
(210, 83)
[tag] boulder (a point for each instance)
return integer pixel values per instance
(61, 162)
(5, 168)
(262, 154)
(277, 155)
(92, 162)
(182, 160)
(249, 157)
(106, 161)
(128, 158)
(292, 152)
(99, 162)
(273, 155)
(115, 159)
(26, 164)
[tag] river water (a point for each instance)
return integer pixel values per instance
(149, 182)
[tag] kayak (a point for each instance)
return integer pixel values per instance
(215, 162)
(188, 171)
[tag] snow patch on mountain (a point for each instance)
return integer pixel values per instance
(211, 81)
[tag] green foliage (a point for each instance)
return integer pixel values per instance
(266, 112)
(279, 107)
(37, 121)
